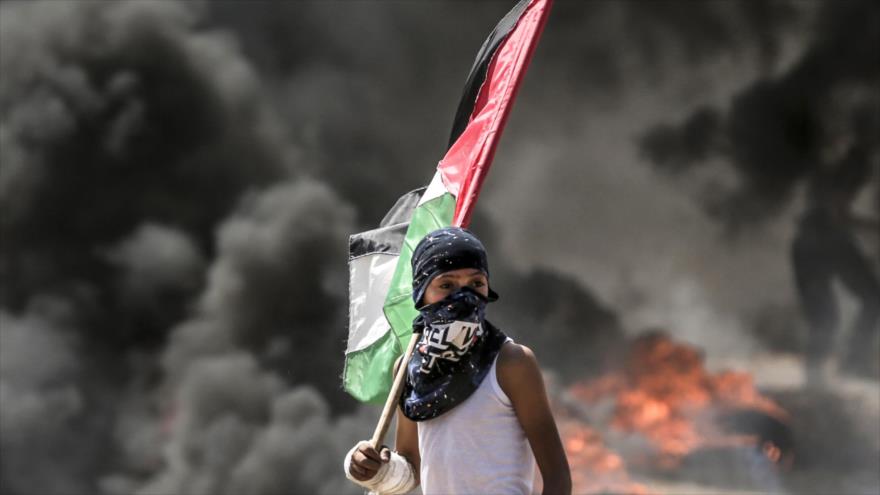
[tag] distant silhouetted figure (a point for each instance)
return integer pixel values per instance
(825, 249)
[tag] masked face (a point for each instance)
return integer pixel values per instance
(451, 326)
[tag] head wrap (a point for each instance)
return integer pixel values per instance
(443, 250)
(458, 345)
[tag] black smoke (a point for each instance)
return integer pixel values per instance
(177, 184)
(776, 132)
(165, 261)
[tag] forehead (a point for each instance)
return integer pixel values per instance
(461, 272)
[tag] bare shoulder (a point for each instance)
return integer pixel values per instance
(513, 355)
(516, 367)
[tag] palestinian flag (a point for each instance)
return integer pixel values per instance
(380, 286)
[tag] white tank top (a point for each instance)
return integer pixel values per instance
(478, 447)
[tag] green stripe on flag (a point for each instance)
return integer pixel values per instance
(367, 374)
(399, 307)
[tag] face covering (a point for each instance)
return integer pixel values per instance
(451, 327)
(458, 345)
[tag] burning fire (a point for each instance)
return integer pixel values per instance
(663, 397)
(595, 468)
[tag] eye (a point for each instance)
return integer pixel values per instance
(445, 285)
(478, 283)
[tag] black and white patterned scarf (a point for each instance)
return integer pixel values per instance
(458, 345)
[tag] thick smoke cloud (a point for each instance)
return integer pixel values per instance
(777, 130)
(115, 116)
(554, 313)
(273, 288)
(138, 207)
(154, 258)
(178, 181)
(589, 52)
(236, 431)
(42, 404)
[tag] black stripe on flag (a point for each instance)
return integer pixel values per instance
(389, 236)
(478, 72)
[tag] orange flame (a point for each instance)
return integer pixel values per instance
(594, 468)
(665, 395)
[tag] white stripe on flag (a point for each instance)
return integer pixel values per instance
(369, 279)
(435, 189)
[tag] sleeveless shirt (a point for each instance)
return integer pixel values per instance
(478, 447)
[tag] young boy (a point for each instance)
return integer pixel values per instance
(474, 416)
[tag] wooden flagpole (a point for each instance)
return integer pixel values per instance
(393, 395)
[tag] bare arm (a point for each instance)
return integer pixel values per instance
(520, 378)
(407, 440)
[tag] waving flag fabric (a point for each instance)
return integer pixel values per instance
(380, 284)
